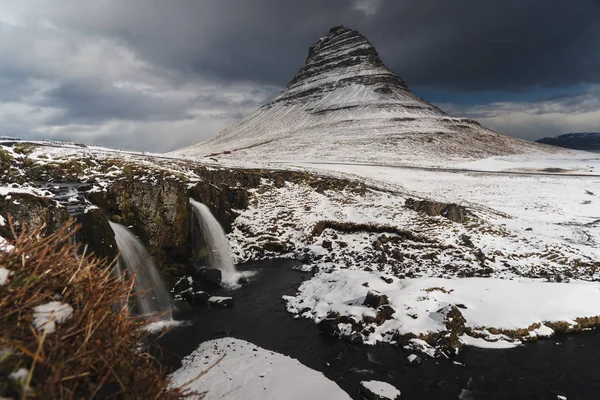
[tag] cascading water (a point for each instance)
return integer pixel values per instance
(214, 239)
(152, 296)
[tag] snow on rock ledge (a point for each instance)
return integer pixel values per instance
(376, 390)
(243, 370)
(485, 308)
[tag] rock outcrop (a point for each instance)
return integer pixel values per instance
(32, 212)
(451, 211)
(159, 213)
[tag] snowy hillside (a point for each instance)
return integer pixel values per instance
(345, 105)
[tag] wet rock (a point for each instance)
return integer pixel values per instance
(97, 234)
(354, 338)
(329, 325)
(529, 229)
(451, 211)
(375, 299)
(158, 212)
(195, 298)
(387, 279)
(209, 278)
(220, 301)
(275, 247)
(181, 285)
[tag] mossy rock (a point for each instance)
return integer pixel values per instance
(30, 212)
(96, 233)
(159, 214)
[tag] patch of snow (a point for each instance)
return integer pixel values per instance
(4, 274)
(2, 221)
(19, 375)
(158, 326)
(381, 389)
(238, 370)
(4, 246)
(46, 316)
(485, 344)
(485, 302)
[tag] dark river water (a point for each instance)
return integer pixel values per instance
(566, 365)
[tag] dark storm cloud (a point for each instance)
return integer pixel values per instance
(174, 73)
(92, 102)
(459, 44)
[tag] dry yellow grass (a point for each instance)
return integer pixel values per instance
(96, 352)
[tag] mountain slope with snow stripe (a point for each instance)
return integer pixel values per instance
(345, 105)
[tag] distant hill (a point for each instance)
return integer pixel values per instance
(589, 141)
(345, 105)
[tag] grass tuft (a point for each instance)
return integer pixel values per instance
(97, 352)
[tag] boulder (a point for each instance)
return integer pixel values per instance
(375, 299)
(32, 211)
(376, 390)
(275, 247)
(451, 211)
(329, 325)
(327, 244)
(220, 301)
(209, 278)
(384, 313)
(195, 298)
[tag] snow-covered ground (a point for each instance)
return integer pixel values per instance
(521, 228)
(421, 304)
(234, 369)
(526, 229)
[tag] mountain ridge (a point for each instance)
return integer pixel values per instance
(344, 104)
(578, 141)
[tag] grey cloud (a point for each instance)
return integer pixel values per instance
(534, 120)
(461, 44)
(105, 71)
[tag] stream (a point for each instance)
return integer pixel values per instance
(563, 365)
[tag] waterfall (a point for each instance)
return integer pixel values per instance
(214, 239)
(151, 294)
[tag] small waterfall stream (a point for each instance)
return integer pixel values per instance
(152, 296)
(214, 238)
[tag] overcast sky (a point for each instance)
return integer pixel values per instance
(159, 75)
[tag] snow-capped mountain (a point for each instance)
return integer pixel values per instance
(580, 141)
(345, 105)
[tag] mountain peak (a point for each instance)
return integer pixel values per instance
(344, 104)
(343, 57)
